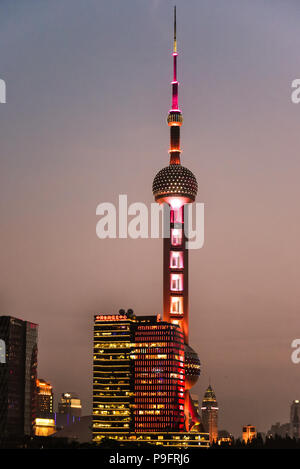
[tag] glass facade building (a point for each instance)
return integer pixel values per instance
(18, 373)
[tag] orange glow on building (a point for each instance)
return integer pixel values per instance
(44, 427)
(249, 432)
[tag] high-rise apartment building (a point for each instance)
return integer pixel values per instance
(18, 372)
(210, 412)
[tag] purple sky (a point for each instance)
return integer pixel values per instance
(87, 96)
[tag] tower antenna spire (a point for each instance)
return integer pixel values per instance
(175, 40)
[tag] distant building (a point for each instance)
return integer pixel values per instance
(210, 412)
(18, 372)
(224, 437)
(249, 432)
(44, 422)
(295, 419)
(279, 430)
(69, 410)
(80, 430)
(69, 403)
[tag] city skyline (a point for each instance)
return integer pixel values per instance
(84, 121)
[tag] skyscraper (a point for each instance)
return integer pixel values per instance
(112, 377)
(18, 370)
(210, 412)
(295, 419)
(177, 186)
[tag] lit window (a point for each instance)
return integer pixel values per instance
(176, 282)
(176, 305)
(176, 237)
(176, 260)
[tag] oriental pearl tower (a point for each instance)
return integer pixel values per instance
(177, 186)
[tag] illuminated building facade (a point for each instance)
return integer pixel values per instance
(158, 378)
(210, 412)
(18, 372)
(44, 426)
(139, 380)
(44, 398)
(44, 422)
(249, 432)
(295, 419)
(176, 186)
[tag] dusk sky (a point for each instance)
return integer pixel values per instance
(88, 92)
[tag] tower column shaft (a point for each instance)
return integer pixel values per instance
(175, 274)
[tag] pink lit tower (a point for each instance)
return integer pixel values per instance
(176, 186)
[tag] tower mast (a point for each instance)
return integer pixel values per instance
(175, 116)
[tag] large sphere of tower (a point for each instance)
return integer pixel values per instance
(175, 181)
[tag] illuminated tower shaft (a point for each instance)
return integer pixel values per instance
(175, 273)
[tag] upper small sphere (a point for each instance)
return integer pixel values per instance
(175, 181)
